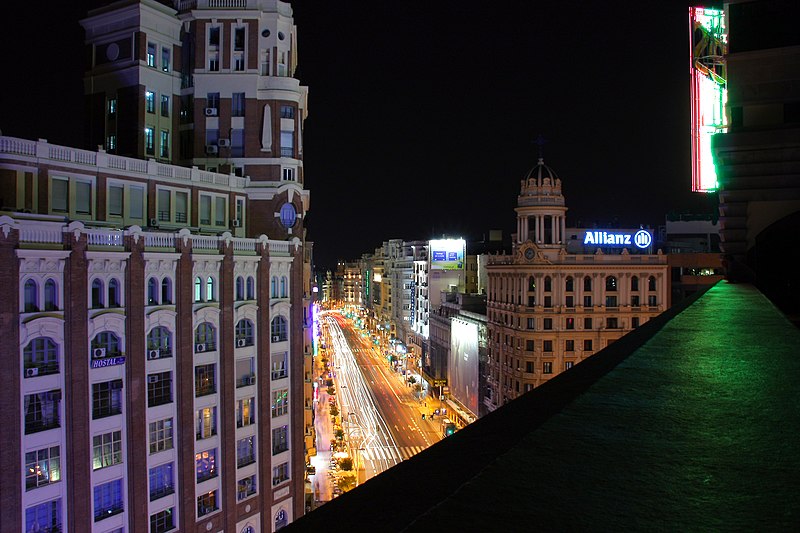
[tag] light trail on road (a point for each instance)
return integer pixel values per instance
(360, 414)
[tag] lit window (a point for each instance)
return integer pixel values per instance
(245, 412)
(288, 215)
(547, 367)
(150, 101)
(245, 451)
(44, 516)
(42, 467)
(162, 481)
(164, 152)
(161, 433)
(151, 55)
(107, 449)
(108, 500)
(207, 503)
(149, 141)
(206, 465)
(245, 487)
(280, 403)
(280, 473)
(165, 59)
(162, 521)
(164, 105)
(206, 423)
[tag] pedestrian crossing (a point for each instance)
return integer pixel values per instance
(401, 453)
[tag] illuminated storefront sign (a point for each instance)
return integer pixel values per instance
(108, 361)
(709, 93)
(447, 254)
(640, 239)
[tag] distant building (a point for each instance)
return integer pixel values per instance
(555, 300)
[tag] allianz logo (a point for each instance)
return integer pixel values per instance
(641, 239)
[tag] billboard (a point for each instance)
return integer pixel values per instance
(708, 41)
(462, 363)
(447, 254)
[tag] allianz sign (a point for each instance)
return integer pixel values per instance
(641, 239)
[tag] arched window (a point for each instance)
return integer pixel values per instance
(40, 357)
(159, 339)
(634, 283)
(531, 284)
(569, 284)
(205, 338)
(97, 294)
(50, 295)
(31, 296)
(281, 519)
(548, 284)
(611, 283)
(105, 344)
(251, 288)
(587, 283)
(198, 289)
(239, 288)
(284, 293)
(166, 290)
(273, 287)
(244, 333)
(210, 289)
(278, 329)
(152, 291)
(113, 293)
(651, 283)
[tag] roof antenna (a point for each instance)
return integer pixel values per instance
(540, 141)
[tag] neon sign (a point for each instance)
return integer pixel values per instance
(640, 239)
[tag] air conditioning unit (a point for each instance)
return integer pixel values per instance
(212, 149)
(276, 338)
(252, 380)
(224, 142)
(199, 348)
(153, 354)
(98, 353)
(240, 343)
(211, 111)
(30, 372)
(152, 379)
(236, 223)
(153, 222)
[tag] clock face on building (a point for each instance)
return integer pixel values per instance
(529, 253)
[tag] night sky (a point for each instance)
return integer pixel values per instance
(423, 116)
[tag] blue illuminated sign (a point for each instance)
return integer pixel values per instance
(640, 239)
(108, 361)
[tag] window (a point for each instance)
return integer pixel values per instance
(164, 105)
(46, 517)
(587, 323)
(206, 464)
(246, 451)
(280, 473)
(287, 111)
(547, 367)
(238, 39)
(159, 339)
(569, 301)
(288, 174)
(210, 294)
(166, 291)
(83, 197)
(165, 59)
(97, 294)
(570, 323)
(529, 367)
(651, 283)
(181, 207)
(205, 380)
(108, 500)
(164, 205)
(273, 287)
(150, 101)
(219, 210)
(238, 62)
(635, 322)
(587, 301)
(280, 402)
(245, 412)
(245, 372)
(205, 338)
(245, 487)
(40, 357)
(106, 450)
(569, 345)
(529, 345)
(569, 284)
(164, 145)
(239, 288)
(161, 435)
(635, 300)
(106, 399)
(212, 100)
(652, 300)
(152, 291)
(547, 346)
(587, 345)
(278, 329)
(611, 284)
(280, 439)
(151, 55)
(159, 388)
(112, 108)
(531, 323)
(59, 195)
(611, 301)
(284, 290)
(634, 283)
(206, 423)
(42, 411)
(113, 293)
(42, 467)
(244, 333)
(568, 365)
(587, 283)
(105, 344)
(115, 200)
(548, 301)
(612, 323)
(548, 284)
(162, 481)
(149, 141)
(162, 521)
(207, 503)
(287, 144)
(111, 143)
(213, 36)
(547, 323)
(279, 365)
(237, 105)
(198, 290)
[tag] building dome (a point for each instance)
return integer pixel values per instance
(541, 171)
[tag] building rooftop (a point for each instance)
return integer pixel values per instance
(688, 423)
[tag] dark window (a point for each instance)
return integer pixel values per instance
(587, 345)
(547, 346)
(162, 521)
(611, 283)
(42, 411)
(569, 285)
(587, 323)
(280, 439)
(106, 399)
(40, 357)
(162, 481)
(569, 345)
(159, 388)
(244, 333)
(205, 381)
